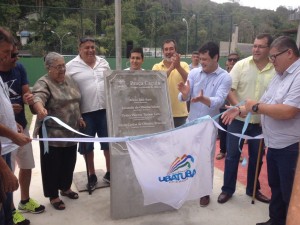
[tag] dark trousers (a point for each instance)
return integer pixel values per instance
(2, 217)
(57, 168)
(233, 157)
(281, 164)
(7, 212)
(222, 134)
(178, 121)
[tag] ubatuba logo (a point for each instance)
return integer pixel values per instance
(180, 170)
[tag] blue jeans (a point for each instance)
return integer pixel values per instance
(233, 157)
(281, 164)
(96, 123)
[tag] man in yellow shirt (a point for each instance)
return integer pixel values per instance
(176, 72)
(250, 78)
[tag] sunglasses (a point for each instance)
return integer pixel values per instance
(83, 40)
(232, 60)
(14, 55)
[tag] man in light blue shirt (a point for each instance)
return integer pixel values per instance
(207, 88)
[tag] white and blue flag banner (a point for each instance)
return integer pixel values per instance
(174, 167)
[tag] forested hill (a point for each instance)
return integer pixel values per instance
(144, 23)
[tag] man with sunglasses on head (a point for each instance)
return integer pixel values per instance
(250, 78)
(15, 79)
(87, 70)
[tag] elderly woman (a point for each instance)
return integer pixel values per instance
(57, 95)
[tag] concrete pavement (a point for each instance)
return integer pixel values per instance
(95, 208)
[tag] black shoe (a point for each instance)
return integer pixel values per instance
(269, 222)
(93, 182)
(106, 177)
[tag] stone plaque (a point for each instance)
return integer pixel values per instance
(137, 103)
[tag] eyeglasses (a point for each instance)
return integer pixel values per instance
(232, 60)
(273, 57)
(260, 46)
(59, 67)
(83, 40)
(14, 55)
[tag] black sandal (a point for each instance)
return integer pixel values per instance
(58, 205)
(71, 194)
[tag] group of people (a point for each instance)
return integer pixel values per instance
(14, 92)
(74, 92)
(268, 81)
(77, 99)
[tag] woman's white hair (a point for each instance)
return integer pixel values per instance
(51, 57)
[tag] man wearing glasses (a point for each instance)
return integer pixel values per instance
(14, 77)
(279, 109)
(250, 78)
(87, 70)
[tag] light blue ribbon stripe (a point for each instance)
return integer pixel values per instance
(88, 138)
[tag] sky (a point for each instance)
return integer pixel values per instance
(266, 4)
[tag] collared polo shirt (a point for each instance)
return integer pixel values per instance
(249, 82)
(179, 109)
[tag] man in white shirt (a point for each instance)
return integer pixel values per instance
(87, 70)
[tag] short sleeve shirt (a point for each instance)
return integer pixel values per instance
(249, 82)
(179, 109)
(283, 89)
(15, 79)
(90, 82)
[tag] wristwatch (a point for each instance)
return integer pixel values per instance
(255, 107)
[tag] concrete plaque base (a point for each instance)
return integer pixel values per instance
(137, 103)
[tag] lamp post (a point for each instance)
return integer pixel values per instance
(60, 39)
(187, 36)
(188, 32)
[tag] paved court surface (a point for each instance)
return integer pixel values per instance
(95, 208)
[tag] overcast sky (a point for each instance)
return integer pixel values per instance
(266, 4)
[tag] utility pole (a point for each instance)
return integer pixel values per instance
(118, 34)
